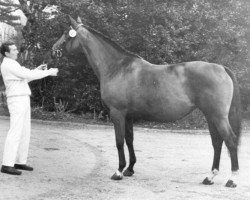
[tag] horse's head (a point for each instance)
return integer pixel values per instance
(69, 42)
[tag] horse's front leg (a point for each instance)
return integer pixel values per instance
(129, 137)
(118, 118)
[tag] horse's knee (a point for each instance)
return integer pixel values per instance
(119, 142)
(129, 142)
(120, 145)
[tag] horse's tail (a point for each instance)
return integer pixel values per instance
(235, 109)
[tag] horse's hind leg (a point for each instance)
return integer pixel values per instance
(129, 137)
(217, 145)
(230, 140)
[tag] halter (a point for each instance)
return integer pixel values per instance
(78, 26)
(58, 51)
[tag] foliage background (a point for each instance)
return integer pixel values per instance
(158, 30)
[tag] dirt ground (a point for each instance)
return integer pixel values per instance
(74, 161)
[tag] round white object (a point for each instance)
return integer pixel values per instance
(72, 33)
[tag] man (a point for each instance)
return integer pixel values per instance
(18, 93)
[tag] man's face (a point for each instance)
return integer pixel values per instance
(13, 54)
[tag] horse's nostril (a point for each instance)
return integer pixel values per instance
(56, 53)
(59, 53)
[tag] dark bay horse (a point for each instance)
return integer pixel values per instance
(133, 88)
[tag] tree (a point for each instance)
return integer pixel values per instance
(7, 7)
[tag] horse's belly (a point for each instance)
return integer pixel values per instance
(164, 113)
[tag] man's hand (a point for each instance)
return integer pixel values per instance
(42, 67)
(53, 71)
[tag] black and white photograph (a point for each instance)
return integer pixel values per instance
(124, 99)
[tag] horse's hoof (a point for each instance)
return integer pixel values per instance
(206, 181)
(230, 184)
(117, 176)
(128, 172)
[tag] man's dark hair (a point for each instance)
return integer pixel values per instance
(5, 47)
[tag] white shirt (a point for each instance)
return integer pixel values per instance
(16, 77)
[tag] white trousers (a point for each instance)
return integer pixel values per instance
(18, 138)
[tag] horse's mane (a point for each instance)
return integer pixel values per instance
(111, 42)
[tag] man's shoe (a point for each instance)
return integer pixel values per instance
(23, 167)
(10, 170)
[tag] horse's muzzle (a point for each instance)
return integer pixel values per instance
(57, 53)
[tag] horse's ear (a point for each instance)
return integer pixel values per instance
(79, 21)
(73, 23)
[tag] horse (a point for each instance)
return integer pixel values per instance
(134, 88)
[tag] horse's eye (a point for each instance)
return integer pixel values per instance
(72, 33)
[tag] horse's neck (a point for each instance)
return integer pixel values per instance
(101, 55)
